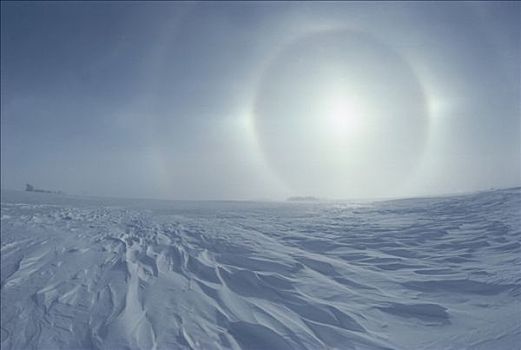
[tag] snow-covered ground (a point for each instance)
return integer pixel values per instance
(87, 273)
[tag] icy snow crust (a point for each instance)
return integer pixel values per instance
(86, 273)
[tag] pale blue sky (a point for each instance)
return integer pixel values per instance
(213, 100)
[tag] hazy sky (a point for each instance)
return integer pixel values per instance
(260, 100)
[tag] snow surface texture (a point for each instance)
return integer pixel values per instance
(439, 273)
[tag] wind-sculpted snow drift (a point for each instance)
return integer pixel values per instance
(439, 273)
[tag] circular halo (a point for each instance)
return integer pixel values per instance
(340, 114)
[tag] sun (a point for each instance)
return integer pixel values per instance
(342, 115)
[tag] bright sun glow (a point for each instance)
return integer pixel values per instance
(343, 115)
